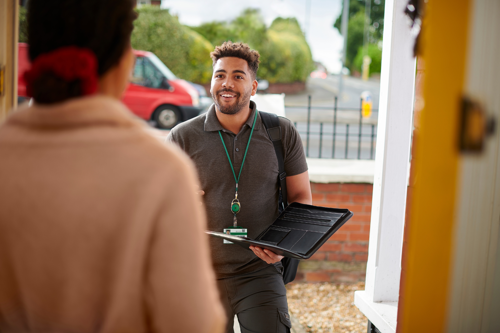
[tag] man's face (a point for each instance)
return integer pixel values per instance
(232, 85)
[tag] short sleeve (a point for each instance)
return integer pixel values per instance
(295, 159)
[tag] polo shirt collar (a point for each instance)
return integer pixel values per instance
(212, 124)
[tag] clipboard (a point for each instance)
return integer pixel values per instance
(298, 232)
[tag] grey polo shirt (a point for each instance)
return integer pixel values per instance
(258, 185)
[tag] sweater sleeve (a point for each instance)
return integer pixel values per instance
(181, 292)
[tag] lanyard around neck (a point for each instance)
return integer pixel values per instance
(244, 156)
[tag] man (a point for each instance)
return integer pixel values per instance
(238, 170)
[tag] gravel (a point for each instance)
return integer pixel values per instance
(325, 307)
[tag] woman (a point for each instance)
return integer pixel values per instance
(100, 227)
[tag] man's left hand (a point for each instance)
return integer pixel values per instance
(268, 256)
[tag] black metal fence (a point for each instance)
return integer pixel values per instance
(346, 136)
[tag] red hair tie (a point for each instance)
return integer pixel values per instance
(69, 63)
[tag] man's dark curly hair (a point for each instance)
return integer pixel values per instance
(237, 50)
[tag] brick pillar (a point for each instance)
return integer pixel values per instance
(343, 257)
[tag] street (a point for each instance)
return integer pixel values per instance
(348, 142)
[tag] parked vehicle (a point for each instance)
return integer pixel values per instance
(23, 64)
(205, 100)
(318, 74)
(154, 93)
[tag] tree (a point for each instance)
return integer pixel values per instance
(184, 51)
(356, 28)
(23, 25)
(374, 52)
(377, 10)
(286, 57)
(216, 32)
(285, 54)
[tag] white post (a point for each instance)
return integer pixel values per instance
(343, 30)
(392, 156)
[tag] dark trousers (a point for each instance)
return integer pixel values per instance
(258, 299)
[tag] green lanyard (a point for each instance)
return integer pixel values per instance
(235, 204)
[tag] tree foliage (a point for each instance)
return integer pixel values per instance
(184, 51)
(374, 52)
(286, 57)
(285, 54)
(355, 30)
(23, 25)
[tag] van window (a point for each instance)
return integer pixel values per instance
(146, 74)
(161, 67)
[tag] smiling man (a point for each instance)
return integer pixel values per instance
(238, 171)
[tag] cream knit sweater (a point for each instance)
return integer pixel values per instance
(100, 226)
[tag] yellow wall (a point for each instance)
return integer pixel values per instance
(435, 166)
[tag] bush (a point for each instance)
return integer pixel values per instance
(23, 25)
(184, 51)
(285, 54)
(215, 32)
(375, 53)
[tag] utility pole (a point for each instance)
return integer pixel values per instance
(366, 35)
(343, 31)
(308, 17)
(366, 40)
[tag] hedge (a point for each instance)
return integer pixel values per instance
(285, 54)
(184, 51)
(375, 54)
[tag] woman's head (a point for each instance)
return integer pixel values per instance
(102, 26)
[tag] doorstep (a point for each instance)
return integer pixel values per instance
(382, 314)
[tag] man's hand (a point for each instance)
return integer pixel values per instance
(266, 255)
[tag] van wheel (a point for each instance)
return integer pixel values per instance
(167, 116)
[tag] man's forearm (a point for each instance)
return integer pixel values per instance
(305, 198)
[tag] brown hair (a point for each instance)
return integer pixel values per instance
(238, 50)
(104, 27)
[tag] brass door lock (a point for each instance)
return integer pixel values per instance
(475, 126)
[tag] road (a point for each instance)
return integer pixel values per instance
(323, 92)
(347, 143)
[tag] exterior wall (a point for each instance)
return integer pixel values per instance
(287, 88)
(343, 257)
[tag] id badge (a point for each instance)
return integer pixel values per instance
(235, 231)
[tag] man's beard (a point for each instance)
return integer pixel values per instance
(241, 102)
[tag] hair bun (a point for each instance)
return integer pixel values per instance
(71, 70)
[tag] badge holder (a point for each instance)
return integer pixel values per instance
(235, 231)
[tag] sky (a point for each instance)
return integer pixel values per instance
(325, 41)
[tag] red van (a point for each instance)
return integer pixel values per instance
(154, 92)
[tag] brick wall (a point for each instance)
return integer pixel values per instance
(343, 257)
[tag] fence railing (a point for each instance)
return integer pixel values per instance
(346, 135)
